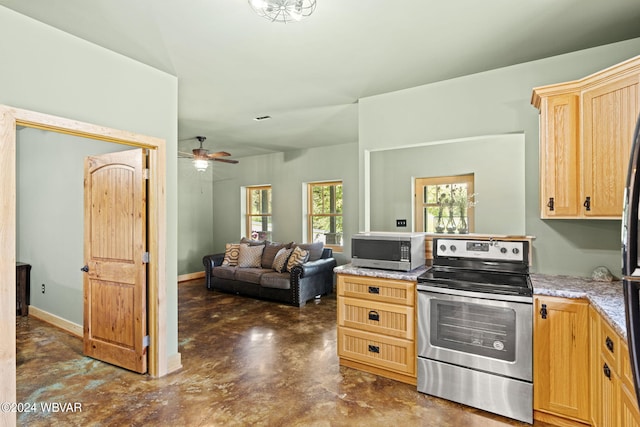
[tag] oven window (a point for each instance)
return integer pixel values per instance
(474, 328)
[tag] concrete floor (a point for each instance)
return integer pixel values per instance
(245, 362)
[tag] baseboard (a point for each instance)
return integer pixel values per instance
(59, 322)
(190, 276)
(174, 363)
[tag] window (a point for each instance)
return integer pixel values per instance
(325, 213)
(259, 224)
(445, 204)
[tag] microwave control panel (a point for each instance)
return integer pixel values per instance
(480, 249)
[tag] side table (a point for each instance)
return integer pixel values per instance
(23, 286)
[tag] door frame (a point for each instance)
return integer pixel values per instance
(156, 234)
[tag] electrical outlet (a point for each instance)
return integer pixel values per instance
(401, 222)
(43, 288)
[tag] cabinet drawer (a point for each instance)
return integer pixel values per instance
(374, 289)
(389, 319)
(390, 353)
(610, 346)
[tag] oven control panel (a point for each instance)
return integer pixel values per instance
(480, 249)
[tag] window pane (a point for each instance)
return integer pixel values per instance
(327, 229)
(261, 227)
(326, 199)
(260, 201)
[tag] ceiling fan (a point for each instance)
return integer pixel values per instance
(201, 156)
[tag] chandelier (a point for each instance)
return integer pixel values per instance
(283, 10)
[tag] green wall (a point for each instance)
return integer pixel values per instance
(492, 103)
(49, 71)
(287, 173)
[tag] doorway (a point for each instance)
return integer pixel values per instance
(10, 118)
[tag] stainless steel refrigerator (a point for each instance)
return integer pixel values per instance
(630, 257)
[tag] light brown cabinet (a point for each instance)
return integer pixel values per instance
(586, 128)
(561, 359)
(376, 326)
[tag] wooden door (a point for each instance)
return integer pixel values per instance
(115, 308)
(561, 357)
(559, 156)
(610, 112)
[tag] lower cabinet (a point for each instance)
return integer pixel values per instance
(376, 326)
(582, 374)
(561, 359)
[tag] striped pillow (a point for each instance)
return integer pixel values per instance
(298, 257)
(250, 256)
(280, 260)
(231, 254)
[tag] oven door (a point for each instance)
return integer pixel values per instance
(483, 334)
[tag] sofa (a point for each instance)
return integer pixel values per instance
(289, 273)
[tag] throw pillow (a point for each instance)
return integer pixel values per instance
(231, 253)
(298, 257)
(315, 249)
(250, 256)
(280, 260)
(269, 254)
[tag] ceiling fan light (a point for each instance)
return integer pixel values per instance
(201, 165)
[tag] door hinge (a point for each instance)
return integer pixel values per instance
(145, 258)
(145, 173)
(145, 341)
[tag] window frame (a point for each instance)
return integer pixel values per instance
(249, 215)
(420, 183)
(311, 215)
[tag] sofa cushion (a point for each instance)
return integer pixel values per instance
(315, 249)
(231, 253)
(224, 272)
(276, 280)
(251, 275)
(270, 252)
(250, 256)
(280, 260)
(298, 257)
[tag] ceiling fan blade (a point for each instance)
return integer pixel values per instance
(218, 154)
(217, 159)
(185, 155)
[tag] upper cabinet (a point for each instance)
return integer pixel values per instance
(586, 128)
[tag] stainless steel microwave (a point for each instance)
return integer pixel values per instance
(388, 250)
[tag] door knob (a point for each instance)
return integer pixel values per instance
(85, 269)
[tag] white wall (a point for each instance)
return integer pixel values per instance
(49, 71)
(498, 102)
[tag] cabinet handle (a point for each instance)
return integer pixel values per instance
(607, 371)
(609, 343)
(374, 290)
(587, 203)
(543, 311)
(373, 315)
(374, 348)
(550, 205)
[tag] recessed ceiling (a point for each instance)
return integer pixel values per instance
(233, 66)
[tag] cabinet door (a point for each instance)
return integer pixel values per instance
(561, 357)
(609, 116)
(559, 157)
(609, 395)
(629, 415)
(594, 369)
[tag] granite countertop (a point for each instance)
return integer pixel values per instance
(606, 297)
(382, 274)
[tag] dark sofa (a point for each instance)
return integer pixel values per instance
(295, 287)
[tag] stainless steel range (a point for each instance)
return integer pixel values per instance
(475, 315)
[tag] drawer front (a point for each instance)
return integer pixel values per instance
(390, 353)
(388, 319)
(374, 289)
(610, 346)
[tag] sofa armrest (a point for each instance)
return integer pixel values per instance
(312, 268)
(209, 262)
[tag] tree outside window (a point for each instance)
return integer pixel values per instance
(445, 204)
(325, 213)
(259, 222)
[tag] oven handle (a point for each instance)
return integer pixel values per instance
(424, 287)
